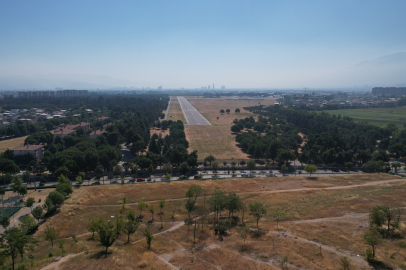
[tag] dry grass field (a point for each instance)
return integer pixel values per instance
(324, 222)
(12, 143)
(217, 140)
(175, 112)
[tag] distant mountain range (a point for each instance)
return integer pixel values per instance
(384, 71)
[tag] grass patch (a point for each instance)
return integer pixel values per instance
(12, 143)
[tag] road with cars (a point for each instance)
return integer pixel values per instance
(192, 116)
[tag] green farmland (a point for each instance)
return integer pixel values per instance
(376, 116)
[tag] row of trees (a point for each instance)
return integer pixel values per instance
(328, 139)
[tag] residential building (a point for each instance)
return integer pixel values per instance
(35, 150)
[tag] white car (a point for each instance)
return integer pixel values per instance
(244, 175)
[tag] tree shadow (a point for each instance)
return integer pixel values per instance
(100, 255)
(312, 177)
(378, 265)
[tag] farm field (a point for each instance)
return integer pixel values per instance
(324, 222)
(12, 143)
(376, 116)
(217, 140)
(175, 112)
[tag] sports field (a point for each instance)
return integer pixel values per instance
(217, 140)
(376, 116)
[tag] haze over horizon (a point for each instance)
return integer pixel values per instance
(239, 44)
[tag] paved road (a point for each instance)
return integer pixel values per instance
(192, 116)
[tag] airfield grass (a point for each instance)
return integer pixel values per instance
(328, 220)
(218, 140)
(12, 143)
(175, 112)
(373, 115)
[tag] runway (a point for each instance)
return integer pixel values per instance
(192, 116)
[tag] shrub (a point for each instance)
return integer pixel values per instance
(56, 197)
(369, 254)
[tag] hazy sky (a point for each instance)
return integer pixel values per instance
(195, 43)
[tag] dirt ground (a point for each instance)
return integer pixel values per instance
(12, 143)
(218, 140)
(324, 222)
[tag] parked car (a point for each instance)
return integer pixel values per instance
(141, 180)
(149, 180)
(244, 175)
(196, 177)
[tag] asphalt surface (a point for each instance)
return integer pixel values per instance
(192, 116)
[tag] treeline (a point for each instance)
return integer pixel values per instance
(329, 139)
(170, 149)
(79, 153)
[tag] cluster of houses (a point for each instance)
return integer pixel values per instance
(344, 100)
(10, 118)
(38, 150)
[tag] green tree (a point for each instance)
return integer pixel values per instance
(37, 212)
(148, 236)
(50, 234)
(233, 203)
(162, 204)
(372, 238)
(184, 168)
(5, 222)
(284, 168)
(373, 166)
(237, 110)
(167, 167)
(56, 197)
(190, 206)
(221, 111)
(215, 166)
(279, 214)
(79, 179)
(27, 176)
(349, 166)
(65, 189)
(209, 159)
(396, 165)
(141, 206)
(130, 227)
(217, 201)
(14, 241)
(94, 225)
(168, 177)
(28, 224)
(151, 209)
(107, 234)
(251, 165)
(257, 211)
(244, 232)
(29, 202)
(309, 168)
(117, 170)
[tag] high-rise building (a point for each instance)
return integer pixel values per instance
(213, 86)
(223, 87)
(160, 87)
(208, 87)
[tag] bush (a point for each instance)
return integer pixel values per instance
(28, 224)
(56, 197)
(369, 254)
(64, 189)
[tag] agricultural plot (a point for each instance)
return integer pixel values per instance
(324, 222)
(217, 140)
(376, 116)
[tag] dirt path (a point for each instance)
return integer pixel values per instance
(55, 265)
(373, 183)
(358, 262)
